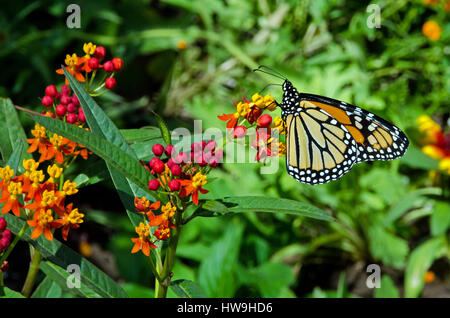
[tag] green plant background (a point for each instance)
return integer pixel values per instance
(387, 213)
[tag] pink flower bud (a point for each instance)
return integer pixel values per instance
(239, 131)
(47, 101)
(196, 147)
(3, 224)
(265, 120)
(75, 100)
(71, 118)
(210, 145)
(181, 158)
(61, 110)
(65, 90)
(100, 52)
(71, 108)
(174, 185)
(7, 234)
(65, 99)
(176, 170)
(153, 185)
(110, 83)
(169, 150)
(159, 166)
(93, 63)
(81, 116)
(51, 90)
(117, 63)
(108, 66)
(158, 149)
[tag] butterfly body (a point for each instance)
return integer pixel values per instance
(326, 137)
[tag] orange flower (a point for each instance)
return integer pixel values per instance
(6, 174)
(143, 241)
(48, 199)
(193, 186)
(57, 148)
(143, 205)
(429, 277)
(242, 110)
(73, 66)
(33, 184)
(39, 142)
(70, 219)
(42, 222)
(89, 49)
(9, 198)
(431, 30)
(168, 211)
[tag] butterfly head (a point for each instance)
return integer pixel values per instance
(290, 96)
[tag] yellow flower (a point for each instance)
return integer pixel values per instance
(70, 188)
(433, 151)
(278, 123)
(431, 30)
(30, 165)
(444, 165)
(75, 217)
(89, 49)
(242, 109)
(199, 180)
(168, 210)
(14, 189)
(6, 174)
(54, 172)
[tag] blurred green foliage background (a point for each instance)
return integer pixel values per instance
(191, 59)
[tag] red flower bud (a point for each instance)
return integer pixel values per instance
(47, 101)
(61, 110)
(265, 120)
(210, 145)
(169, 150)
(51, 90)
(239, 131)
(174, 185)
(175, 169)
(110, 83)
(200, 159)
(93, 63)
(158, 149)
(75, 100)
(159, 166)
(5, 242)
(181, 158)
(153, 185)
(71, 118)
(117, 63)
(65, 90)
(100, 52)
(213, 162)
(108, 67)
(81, 116)
(7, 234)
(71, 108)
(196, 147)
(65, 99)
(3, 224)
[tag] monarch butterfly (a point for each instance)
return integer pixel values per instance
(326, 137)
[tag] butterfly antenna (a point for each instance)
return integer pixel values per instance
(272, 70)
(265, 87)
(258, 70)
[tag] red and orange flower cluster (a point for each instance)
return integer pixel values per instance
(436, 142)
(180, 174)
(82, 67)
(251, 114)
(52, 146)
(40, 199)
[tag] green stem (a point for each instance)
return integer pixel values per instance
(14, 242)
(170, 257)
(32, 273)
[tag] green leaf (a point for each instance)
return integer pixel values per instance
(186, 289)
(415, 158)
(217, 273)
(389, 248)
(387, 288)
(123, 162)
(261, 204)
(14, 161)
(165, 133)
(47, 289)
(11, 130)
(138, 291)
(59, 256)
(440, 218)
(127, 187)
(5, 292)
(142, 134)
(420, 260)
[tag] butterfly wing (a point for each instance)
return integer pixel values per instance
(319, 148)
(377, 139)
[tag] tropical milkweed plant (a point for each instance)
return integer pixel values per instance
(160, 196)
